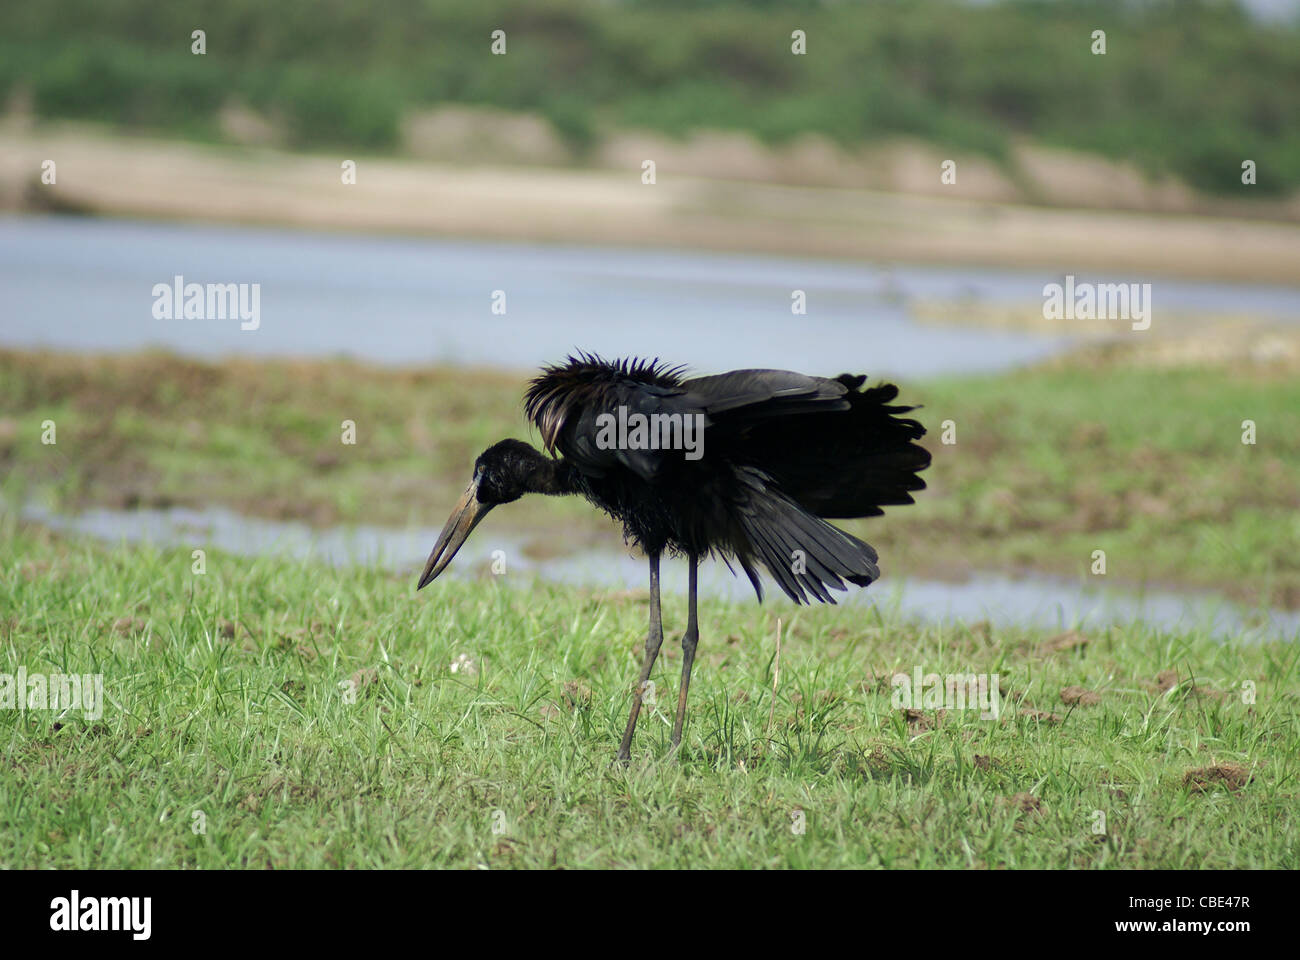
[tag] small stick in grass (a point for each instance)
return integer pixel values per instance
(776, 674)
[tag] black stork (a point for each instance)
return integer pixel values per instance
(747, 465)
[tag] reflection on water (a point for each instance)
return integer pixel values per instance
(79, 284)
(1031, 601)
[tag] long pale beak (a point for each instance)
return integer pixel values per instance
(464, 518)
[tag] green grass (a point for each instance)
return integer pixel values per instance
(1147, 464)
(225, 699)
(1049, 464)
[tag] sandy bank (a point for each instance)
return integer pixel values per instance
(110, 175)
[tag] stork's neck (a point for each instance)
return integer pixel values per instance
(553, 477)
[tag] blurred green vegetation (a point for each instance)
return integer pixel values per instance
(1190, 88)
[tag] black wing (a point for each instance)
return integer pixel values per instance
(721, 405)
(835, 449)
(807, 448)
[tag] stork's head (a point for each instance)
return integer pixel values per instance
(503, 472)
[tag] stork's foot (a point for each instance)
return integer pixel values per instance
(653, 641)
(689, 641)
(625, 747)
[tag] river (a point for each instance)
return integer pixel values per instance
(72, 283)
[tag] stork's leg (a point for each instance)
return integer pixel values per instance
(653, 640)
(689, 639)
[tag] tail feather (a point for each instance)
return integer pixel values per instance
(804, 554)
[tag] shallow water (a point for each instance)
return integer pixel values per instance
(82, 284)
(1037, 601)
